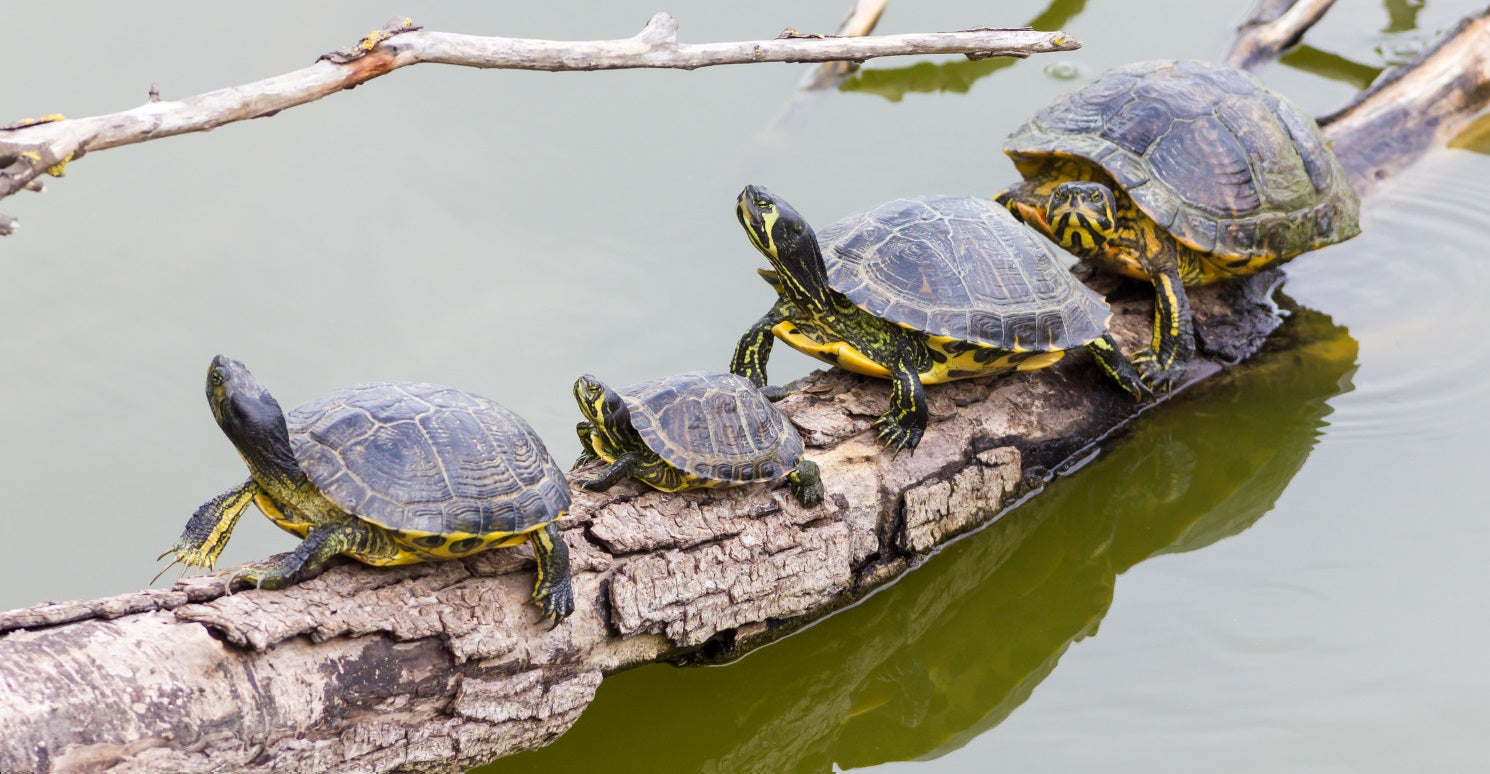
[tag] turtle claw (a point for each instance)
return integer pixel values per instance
(894, 435)
(555, 601)
(1161, 380)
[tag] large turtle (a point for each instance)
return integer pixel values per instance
(919, 290)
(691, 430)
(387, 473)
(1179, 173)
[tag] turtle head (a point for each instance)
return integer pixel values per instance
(786, 240)
(599, 403)
(249, 416)
(1082, 215)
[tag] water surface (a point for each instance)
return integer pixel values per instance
(1284, 573)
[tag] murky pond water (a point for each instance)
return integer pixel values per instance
(1284, 572)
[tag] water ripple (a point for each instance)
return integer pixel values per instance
(1412, 289)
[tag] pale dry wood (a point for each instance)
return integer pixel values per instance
(442, 666)
(1273, 26)
(28, 150)
(861, 20)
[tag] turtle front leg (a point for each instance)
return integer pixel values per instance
(321, 543)
(1168, 358)
(208, 530)
(901, 427)
(553, 593)
(806, 483)
(587, 455)
(754, 348)
(625, 465)
(1120, 368)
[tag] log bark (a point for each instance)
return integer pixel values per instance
(441, 666)
(32, 147)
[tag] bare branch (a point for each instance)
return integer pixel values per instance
(860, 21)
(30, 149)
(1274, 26)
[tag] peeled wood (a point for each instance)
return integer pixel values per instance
(30, 148)
(438, 667)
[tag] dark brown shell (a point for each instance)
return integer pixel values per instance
(964, 268)
(715, 427)
(427, 458)
(1205, 151)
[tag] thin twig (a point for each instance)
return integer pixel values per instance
(28, 149)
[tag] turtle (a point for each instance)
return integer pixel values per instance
(691, 430)
(387, 473)
(920, 290)
(1179, 173)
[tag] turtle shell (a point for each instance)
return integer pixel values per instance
(716, 427)
(963, 268)
(1207, 152)
(425, 458)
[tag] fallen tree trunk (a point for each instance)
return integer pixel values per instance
(441, 666)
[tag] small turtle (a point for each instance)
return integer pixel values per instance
(1179, 173)
(386, 473)
(692, 430)
(920, 290)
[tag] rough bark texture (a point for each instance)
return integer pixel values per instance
(31, 147)
(441, 666)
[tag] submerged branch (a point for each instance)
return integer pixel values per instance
(1274, 26)
(30, 148)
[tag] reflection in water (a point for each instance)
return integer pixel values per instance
(893, 83)
(956, 646)
(1402, 15)
(1474, 137)
(1309, 59)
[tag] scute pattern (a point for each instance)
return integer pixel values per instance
(714, 426)
(1205, 151)
(963, 268)
(426, 458)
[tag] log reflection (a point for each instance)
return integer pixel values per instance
(954, 648)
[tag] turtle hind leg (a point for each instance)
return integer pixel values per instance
(553, 593)
(806, 483)
(321, 543)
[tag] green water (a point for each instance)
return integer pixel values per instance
(504, 232)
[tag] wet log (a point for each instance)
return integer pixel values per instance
(32, 147)
(442, 666)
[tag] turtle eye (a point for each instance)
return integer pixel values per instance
(1096, 196)
(215, 377)
(763, 205)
